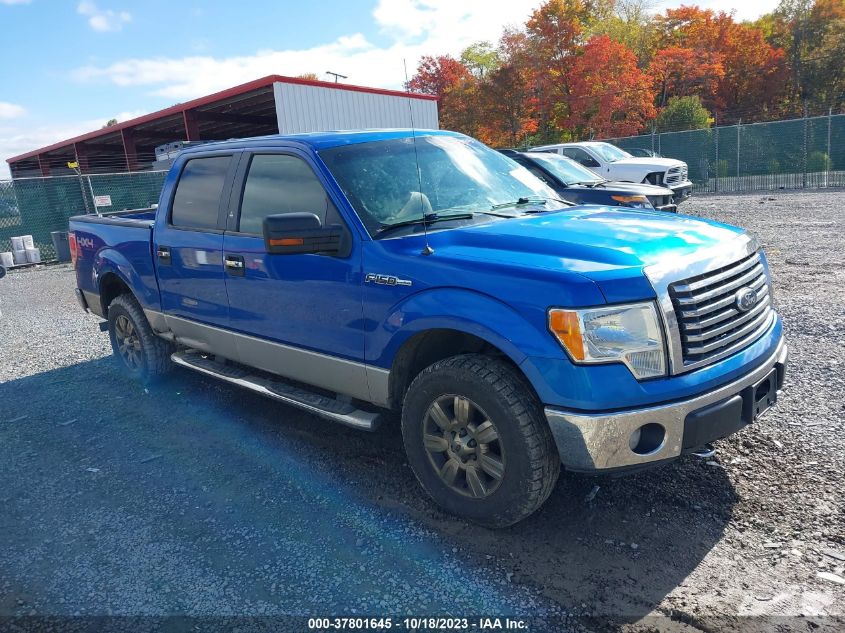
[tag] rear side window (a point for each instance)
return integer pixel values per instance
(198, 192)
(279, 183)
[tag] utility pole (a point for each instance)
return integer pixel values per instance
(738, 126)
(716, 137)
(336, 75)
(804, 151)
(829, 162)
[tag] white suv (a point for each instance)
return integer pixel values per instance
(613, 163)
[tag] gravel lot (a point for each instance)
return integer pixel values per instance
(198, 498)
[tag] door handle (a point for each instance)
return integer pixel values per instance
(234, 265)
(163, 254)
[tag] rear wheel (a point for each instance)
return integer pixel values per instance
(478, 441)
(144, 355)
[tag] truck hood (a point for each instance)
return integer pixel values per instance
(608, 245)
(649, 162)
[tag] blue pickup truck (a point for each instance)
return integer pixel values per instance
(353, 273)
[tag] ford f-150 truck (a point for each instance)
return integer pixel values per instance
(350, 273)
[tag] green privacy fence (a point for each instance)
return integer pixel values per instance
(793, 154)
(39, 206)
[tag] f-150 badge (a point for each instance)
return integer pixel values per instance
(386, 280)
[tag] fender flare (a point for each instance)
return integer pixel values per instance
(110, 261)
(460, 310)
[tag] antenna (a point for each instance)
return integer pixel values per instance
(336, 75)
(427, 250)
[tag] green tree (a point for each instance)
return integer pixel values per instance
(481, 58)
(683, 113)
(110, 123)
(631, 23)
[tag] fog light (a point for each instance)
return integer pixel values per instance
(647, 439)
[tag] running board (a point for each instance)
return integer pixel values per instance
(279, 389)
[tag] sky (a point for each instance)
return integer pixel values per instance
(68, 66)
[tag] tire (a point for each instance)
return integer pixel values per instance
(523, 452)
(131, 336)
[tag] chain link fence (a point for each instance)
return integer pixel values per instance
(39, 206)
(793, 154)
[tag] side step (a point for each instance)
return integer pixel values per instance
(278, 389)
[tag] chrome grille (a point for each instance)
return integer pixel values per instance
(709, 319)
(676, 175)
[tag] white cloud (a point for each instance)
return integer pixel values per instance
(417, 27)
(11, 110)
(15, 1)
(19, 139)
(103, 19)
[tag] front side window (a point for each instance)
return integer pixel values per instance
(197, 199)
(578, 154)
(280, 183)
(398, 180)
(609, 152)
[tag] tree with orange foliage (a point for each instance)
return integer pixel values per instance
(509, 110)
(609, 95)
(682, 72)
(749, 81)
(755, 79)
(457, 88)
(436, 74)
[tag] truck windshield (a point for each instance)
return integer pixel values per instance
(456, 174)
(609, 152)
(565, 169)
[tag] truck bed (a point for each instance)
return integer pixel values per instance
(133, 217)
(121, 241)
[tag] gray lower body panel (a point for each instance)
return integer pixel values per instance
(340, 375)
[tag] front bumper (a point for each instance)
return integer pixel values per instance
(591, 442)
(681, 191)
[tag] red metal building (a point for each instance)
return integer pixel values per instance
(271, 105)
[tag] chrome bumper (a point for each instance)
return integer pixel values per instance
(595, 442)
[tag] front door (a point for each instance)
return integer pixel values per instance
(297, 315)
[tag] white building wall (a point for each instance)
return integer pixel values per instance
(303, 108)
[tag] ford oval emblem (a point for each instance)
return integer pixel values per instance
(746, 298)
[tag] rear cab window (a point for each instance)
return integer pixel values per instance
(196, 203)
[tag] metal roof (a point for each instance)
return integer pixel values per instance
(179, 109)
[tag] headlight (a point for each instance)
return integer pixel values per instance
(630, 334)
(635, 202)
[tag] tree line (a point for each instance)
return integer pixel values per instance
(582, 69)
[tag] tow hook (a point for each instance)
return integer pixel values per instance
(705, 452)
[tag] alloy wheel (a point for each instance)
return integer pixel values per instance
(463, 446)
(128, 342)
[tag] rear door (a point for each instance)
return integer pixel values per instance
(188, 249)
(300, 315)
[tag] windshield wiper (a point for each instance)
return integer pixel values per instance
(534, 200)
(428, 218)
(518, 202)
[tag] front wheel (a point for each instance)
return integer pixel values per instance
(477, 440)
(144, 355)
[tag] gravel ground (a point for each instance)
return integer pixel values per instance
(201, 499)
